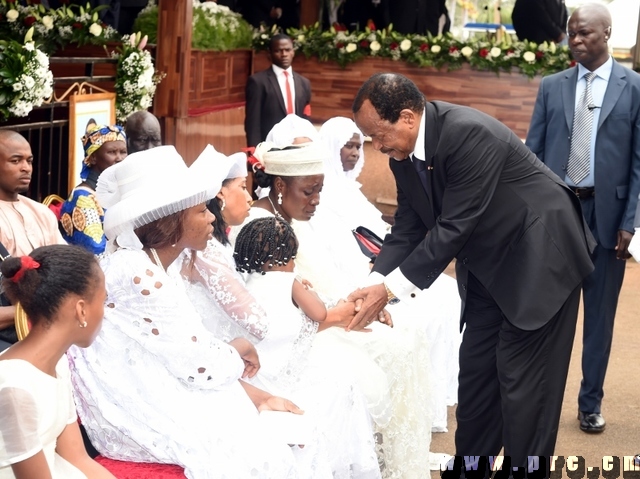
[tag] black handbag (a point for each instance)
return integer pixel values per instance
(369, 242)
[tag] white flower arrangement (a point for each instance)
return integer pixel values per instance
(136, 77)
(25, 79)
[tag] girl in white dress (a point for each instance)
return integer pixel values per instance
(266, 249)
(62, 290)
(156, 386)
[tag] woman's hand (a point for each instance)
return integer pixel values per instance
(249, 355)
(276, 403)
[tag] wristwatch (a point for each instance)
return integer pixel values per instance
(391, 298)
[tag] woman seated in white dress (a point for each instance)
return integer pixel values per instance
(61, 288)
(157, 385)
(343, 164)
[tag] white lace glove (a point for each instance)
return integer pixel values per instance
(634, 245)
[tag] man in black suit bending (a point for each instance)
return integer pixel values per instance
(275, 92)
(469, 189)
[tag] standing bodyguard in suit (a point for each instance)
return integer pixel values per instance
(275, 92)
(468, 188)
(586, 128)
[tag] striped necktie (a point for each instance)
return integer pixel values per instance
(579, 155)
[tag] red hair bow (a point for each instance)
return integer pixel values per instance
(252, 160)
(27, 263)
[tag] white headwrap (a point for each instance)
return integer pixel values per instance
(335, 133)
(289, 128)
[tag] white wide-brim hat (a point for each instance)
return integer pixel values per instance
(152, 184)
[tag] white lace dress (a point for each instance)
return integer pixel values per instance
(390, 365)
(156, 386)
(283, 336)
(34, 410)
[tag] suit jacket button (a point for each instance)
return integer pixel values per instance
(413, 295)
(465, 260)
(564, 167)
(464, 287)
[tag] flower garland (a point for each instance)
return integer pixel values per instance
(444, 51)
(55, 28)
(25, 78)
(136, 78)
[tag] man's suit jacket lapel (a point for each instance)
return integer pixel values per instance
(616, 84)
(275, 87)
(568, 86)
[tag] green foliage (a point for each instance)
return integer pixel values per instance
(214, 27)
(147, 23)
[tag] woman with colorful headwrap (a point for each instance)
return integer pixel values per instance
(81, 216)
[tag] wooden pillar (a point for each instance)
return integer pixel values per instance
(309, 12)
(173, 57)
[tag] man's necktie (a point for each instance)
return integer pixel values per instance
(579, 155)
(421, 169)
(289, 95)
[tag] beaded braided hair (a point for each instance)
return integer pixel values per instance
(269, 241)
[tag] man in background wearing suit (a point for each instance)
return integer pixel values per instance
(586, 128)
(275, 92)
(469, 189)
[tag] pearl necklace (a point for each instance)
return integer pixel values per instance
(275, 211)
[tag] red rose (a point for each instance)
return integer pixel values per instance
(424, 47)
(30, 20)
(339, 45)
(339, 28)
(78, 26)
(539, 54)
(573, 63)
(510, 51)
(394, 45)
(453, 49)
(483, 52)
(364, 43)
(371, 25)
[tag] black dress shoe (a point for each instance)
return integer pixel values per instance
(592, 423)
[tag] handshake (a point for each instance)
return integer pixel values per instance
(369, 307)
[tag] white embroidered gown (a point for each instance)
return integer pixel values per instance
(157, 386)
(263, 312)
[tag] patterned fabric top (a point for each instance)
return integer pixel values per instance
(81, 219)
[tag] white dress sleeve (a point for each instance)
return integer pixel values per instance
(147, 306)
(19, 438)
(213, 270)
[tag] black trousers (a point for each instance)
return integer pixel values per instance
(511, 381)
